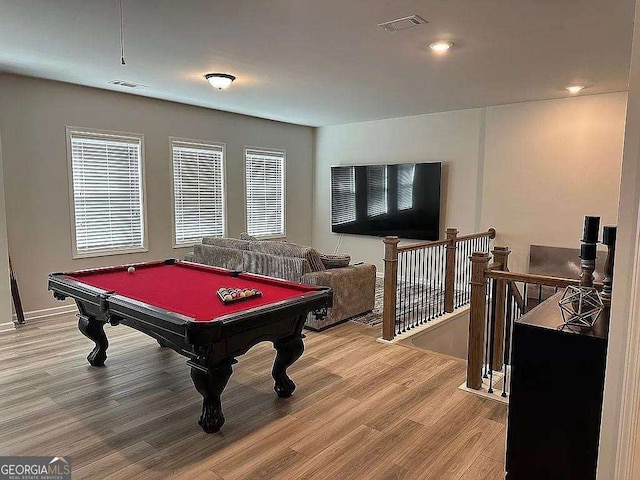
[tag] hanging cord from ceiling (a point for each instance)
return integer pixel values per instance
(121, 36)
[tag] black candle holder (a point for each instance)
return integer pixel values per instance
(609, 239)
(588, 250)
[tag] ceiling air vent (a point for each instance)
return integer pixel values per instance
(403, 23)
(122, 83)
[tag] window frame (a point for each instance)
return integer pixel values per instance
(195, 143)
(106, 134)
(278, 151)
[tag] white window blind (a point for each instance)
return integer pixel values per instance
(343, 195)
(264, 175)
(406, 173)
(107, 195)
(198, 191)
(376, 190)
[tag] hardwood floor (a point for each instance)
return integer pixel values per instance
(362, 410)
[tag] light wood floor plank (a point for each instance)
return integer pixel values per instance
(362, 410)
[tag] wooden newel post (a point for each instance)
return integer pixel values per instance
(501, 256)
(479, 262)
(390, 285)
(450, 270)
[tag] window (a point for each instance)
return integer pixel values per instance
(107, 193)
(264, 177)
(406, 172)
(376, 190)
(343, 195)
(198, 191)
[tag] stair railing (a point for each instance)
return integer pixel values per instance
(498, 298)
(423, 281)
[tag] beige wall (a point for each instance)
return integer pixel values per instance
(451, 138)
(530, 170)
(33, 116)
(547, 164)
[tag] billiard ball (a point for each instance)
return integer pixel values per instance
(131, 269)
(228, 298)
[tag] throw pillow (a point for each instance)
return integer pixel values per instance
(335, 261)
(246, 236)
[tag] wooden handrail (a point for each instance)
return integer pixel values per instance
(421, 245)
(544, 280)
(515, 291)
(491, 233)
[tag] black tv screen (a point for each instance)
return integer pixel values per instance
(397, 199)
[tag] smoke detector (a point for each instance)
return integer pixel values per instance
(123, 83)
(403, 23)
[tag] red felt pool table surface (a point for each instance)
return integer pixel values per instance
(189, 289)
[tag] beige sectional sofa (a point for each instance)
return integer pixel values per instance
(353, 285)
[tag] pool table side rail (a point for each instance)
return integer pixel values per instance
(116, 268)
(116, 308)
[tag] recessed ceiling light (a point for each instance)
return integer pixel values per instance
(575, 88)
(220, 80)
(441, 46)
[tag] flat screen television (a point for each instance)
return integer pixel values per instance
(396, 199)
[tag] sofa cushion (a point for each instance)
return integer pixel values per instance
(335, 261)
(229, 258)
(286, 268)
(226, 242)
(288, 249)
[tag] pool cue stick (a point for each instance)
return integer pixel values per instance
(15, 294)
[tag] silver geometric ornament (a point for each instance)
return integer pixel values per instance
(580, 306)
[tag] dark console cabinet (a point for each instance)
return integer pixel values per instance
(556, 397)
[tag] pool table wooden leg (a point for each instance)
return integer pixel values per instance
(288, 351)
(210, 384)
(94, 330)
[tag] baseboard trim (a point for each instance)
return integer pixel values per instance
(498, 378)
(47, 313)
(7, 327)
(433, 323)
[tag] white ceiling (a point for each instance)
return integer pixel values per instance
(324, 62)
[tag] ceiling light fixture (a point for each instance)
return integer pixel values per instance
(220, 81)
(575, 88)
(441, 47)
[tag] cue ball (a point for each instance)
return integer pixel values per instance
(131, 269)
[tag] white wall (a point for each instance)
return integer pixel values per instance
(530, 170)
(33, 116)
(451, 138)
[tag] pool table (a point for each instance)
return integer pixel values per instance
(177, 303)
